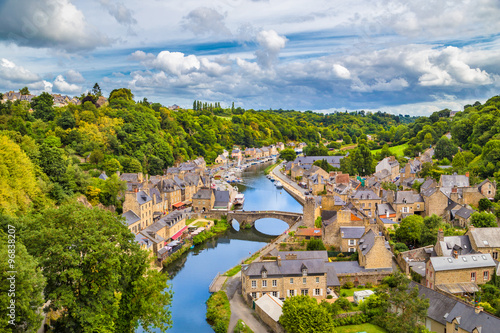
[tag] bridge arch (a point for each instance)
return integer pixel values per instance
(249, 217)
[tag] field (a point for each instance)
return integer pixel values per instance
(396, 150)
(368, 328)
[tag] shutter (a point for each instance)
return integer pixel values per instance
(288, 293)
(321, 291)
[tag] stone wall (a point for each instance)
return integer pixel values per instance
(275, 326)
(363, 278)
(416, 255)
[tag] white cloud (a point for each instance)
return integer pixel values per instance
(396, 84)
(73, 76)
(341, 71)
(271, 43)
(11, 72)
(119, 11)
(48, 23)
(203, 20)
(176, 63)
(62, 86)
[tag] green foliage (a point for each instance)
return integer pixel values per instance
(400, 247)
(315, 245)
(96, 272)
(323, 164)
(356, 319)
(42, 107)
(241, 327)
(318, 222)
(483, 220)
(288, 154)
(410, 229)
(24, 91)
(28, 283)
(343, 303)
(445, 148)
(484, 204)
(348, 285)
(219, 311)
(303, 314)
(319, 150)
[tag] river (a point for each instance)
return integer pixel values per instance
(191, 275)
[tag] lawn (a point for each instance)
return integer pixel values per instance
(396, 150)
(368, 328)
(350, 292)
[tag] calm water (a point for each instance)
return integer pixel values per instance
(193, 272)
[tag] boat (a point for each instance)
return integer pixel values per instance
(239, 199)
(272, 179)
(279, 185)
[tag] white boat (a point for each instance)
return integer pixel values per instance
(239, 199)
(278, 185)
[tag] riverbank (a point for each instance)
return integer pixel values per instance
(290, 187)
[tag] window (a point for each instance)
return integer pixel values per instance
(473, 276)
(275, 283)
(254, 284)
(291, 280)
(317, 280)
(275, 294)
(304, 280)
(486, 275)
(418, 206)
(264, 283)
(317, 292)
(352, 242)
(369, 205)
(254, 295)
(363, 205)
(351, 249)
(291, 292)
(456, 327)
(304, 272)
(264, 274)
(405, 209)
(495, 255)
(305, 291)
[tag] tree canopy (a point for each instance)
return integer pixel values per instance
(303, 314)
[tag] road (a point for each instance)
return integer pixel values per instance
(290, 185)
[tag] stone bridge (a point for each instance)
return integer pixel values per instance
(249, 217)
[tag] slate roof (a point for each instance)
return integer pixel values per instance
(486, 237)
(352, 232)
(382, 174)
(407, 197)
(454, 180)
(332, 160)
(384, 208)
(288, 267)
(427, 184)
(439, 304)
(129, 177)
(365, 195)
(288, 165)
(464, 212)
(332, 279)
(366, 243)
(341, 189)
(203, 193)
(387, 221)
(302, 255)
(103, 176)
(221, 199)
(462, 262)
(154, 193)
(328, 216)
(351, 267)
(130, 217)
(449, 242)
(428, 192)
(143, 197)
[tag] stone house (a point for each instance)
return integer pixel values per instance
(411, 169)
(408, 203)
(141, 204)
(258, 153)
(169, 227)
(221, 159)
(308, 233)
(269, 309)
(250, 152)
(343, 228)
(374, 251)
(265, 152)
(435, 201)
(222, 200)
(447, 313)
(236, 154)
(273, 150)
(304, 273)
(317, 183)
(280, 146)
(485, 240)
(487, 188)
(171, 193)
(391, 165)
(203, 200)
(366, 201)
(296, 172)
(459, 274)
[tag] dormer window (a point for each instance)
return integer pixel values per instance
(264, 274)
(304, 271)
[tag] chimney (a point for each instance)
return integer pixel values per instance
(478, 309)
(467, 174)
(455, 254)
(440, 237)
(278, 260)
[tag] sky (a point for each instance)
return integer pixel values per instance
(399, 56)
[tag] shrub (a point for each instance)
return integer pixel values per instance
(219, 311)
(356, 319)
(329, 297)
(348, 285)
(343, 303)
(369, 285)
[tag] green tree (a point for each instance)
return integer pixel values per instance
(410, 229)
(445, 149)
(29, 284)
(315, 245)
(427, 140)
(483, 220)
(24, 91)
(459, 161)
(303, 314)
(323, 164)
(96, 90)
(385, 152)
(484, 204)
(52, 161)
(430, 230)
(111, 166)
(362, 160)
(66, 120)
(96, 273)
(42, 107)
(288, 154)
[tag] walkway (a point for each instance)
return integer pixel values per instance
(288, 184)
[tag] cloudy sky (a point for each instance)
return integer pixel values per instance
(400, 56)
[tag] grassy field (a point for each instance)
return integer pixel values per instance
(368, 328)
(396, 150)
(350, 292)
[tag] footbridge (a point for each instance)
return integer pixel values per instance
(249, 217)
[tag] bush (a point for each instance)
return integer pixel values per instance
(219, 311)
(348, 285)
(369, 285)
(329, 297)
(356, 319)
(343, 303)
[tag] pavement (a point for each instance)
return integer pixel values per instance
(291, 185)
(239, 309)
